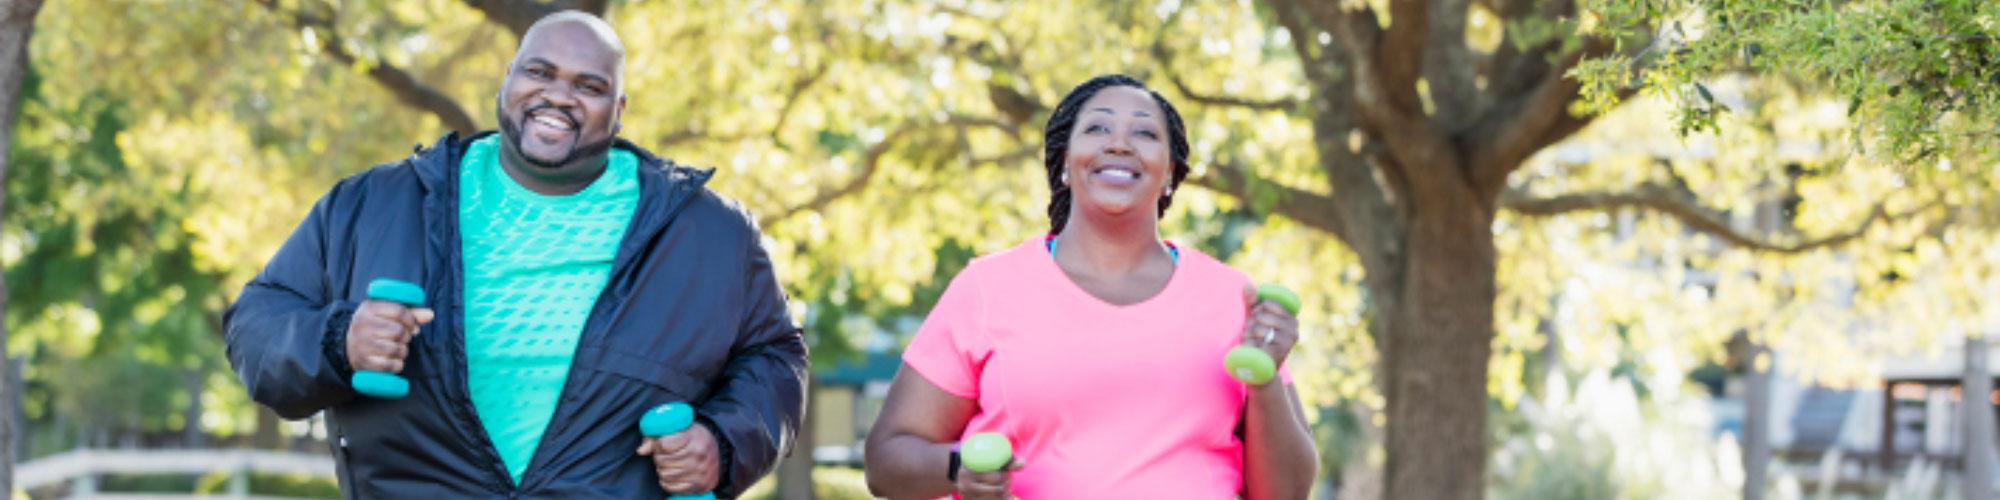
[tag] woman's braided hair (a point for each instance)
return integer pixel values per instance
(1055, 140)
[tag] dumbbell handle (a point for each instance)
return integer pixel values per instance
(383, 384)
(668, 419)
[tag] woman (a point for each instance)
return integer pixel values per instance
(1097, 349)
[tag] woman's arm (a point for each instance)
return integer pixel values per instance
(1279, 458)
(909, 447)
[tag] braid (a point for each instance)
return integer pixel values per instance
(1055, 142)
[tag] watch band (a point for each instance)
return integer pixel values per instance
(951, 474)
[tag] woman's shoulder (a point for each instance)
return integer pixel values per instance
(1204, 267)
(1014, 262)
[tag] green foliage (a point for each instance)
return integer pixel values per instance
(106, 296)
(1921, 77)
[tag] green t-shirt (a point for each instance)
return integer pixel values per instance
(534, 266)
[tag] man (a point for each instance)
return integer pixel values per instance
(573, 282)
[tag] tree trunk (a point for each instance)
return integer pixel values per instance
(1438, 343)
(17, 23)
(1978, 421)
(268, 436)
(1756, 420)
(1361, 478)
(193, 381)
(795, 480)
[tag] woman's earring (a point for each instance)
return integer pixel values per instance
(1064, 178)
(1170, 190)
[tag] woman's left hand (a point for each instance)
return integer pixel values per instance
(1270, 327)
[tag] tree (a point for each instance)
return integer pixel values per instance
(17, 25)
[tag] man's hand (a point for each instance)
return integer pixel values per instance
(688, 461)
(379, 334)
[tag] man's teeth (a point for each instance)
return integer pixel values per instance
(552, 121)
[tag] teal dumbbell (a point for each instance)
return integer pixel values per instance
(985, 452)
(382, 384)
(1251, 365)
(668, 419)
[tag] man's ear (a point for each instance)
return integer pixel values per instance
(618, 116)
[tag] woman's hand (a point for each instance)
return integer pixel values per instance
(1269, 327)
(994, 485)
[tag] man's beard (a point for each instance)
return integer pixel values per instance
(510, 131)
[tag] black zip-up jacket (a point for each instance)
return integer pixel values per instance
(692, 312)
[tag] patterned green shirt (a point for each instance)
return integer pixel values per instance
(534, 266)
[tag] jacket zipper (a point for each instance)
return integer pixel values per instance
(606, 299)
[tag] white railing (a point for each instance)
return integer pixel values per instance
(82, 467)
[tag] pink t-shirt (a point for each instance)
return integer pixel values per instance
(1100, 401)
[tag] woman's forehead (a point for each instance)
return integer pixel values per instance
(1122, 100)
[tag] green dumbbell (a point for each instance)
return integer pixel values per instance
(382, 384)
(1249, 364)
(985, 452)
(668, 419)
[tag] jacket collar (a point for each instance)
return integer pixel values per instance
(664, 186)
(439, 162)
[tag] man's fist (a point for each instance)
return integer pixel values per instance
(688, 461)
(378, 336)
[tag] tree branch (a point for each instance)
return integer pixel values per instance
(1664, 200)
(595, 7)
(1026, 152)
(1429, 158)
(871, 161)
(1518, 64)
(1517, 128)
(1305, 40)
(398, 82)
(1279, 104)
(1365, 196)
(1315, 210)
(798, 90)
(518, 15)
(480, 39)
(1403, 49)
(1165, 58)
(1448, 66)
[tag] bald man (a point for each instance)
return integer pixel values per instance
(573, 281)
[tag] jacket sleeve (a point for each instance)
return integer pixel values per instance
(761, 394)
(278, 329)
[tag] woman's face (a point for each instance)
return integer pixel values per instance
(1118, 159)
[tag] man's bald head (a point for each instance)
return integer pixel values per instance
(560, 106)
(575, 26)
